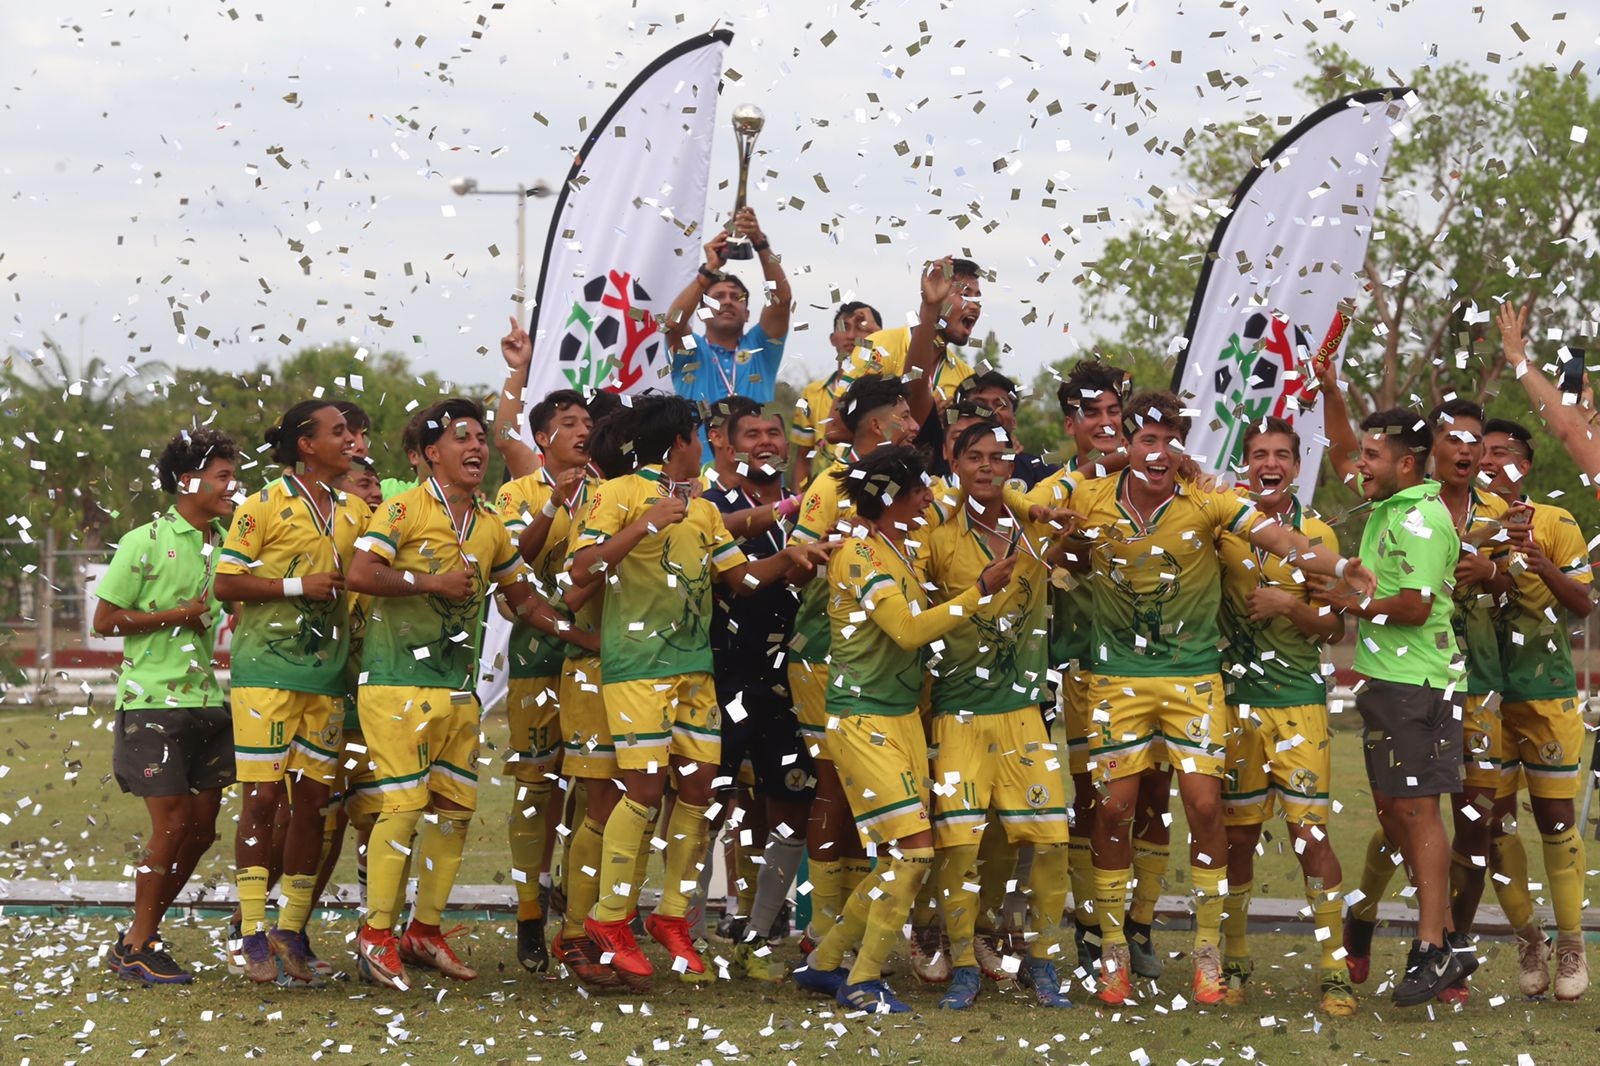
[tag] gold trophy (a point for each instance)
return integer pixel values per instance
(747, 123)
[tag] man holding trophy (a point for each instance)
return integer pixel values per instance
(728, 359)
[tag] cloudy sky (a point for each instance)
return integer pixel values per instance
(223, 181)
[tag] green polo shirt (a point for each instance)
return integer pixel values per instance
(1410, 543)
(159, 566)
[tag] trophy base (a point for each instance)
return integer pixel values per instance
(740, 250)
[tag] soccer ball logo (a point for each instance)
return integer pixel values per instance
(610, 339)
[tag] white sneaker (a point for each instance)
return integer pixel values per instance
(1572, 968)
(1533, 961)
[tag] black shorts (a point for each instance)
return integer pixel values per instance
(768, 735)
(1412, 739)
(173, 751)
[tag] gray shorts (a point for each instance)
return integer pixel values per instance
(1412, 739)
(173, 751)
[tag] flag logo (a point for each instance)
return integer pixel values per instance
(611, 337)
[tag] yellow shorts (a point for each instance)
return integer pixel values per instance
(1480, 747)
(1137, 722)
(1545, 740)
(360, 789)
(423, 742)
(808, 687)
(533, 711)
(278, 732)
(587, 751)
(655, 718)
(883, 764)
(1075, 689)
(1282, 754)
(1005, 761)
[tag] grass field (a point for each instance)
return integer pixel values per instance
(61, 816)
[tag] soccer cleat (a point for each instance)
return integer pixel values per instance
(150, 964)
(1040, 975)
(875, 997)
(620, 951)
(432, 951)
(1358, 948)
(930, 954)
(823, 982)
(962, 992)
(378, 952)
(1338, 998)
(1235, 972)
(230, 951)
(1142, 950)
(582, 959)
(758, 960)
(1429, 971)
(991, 960)
(1572, 967)
(1087, 940)
(1116, 975)
(290, 949)
(1210, 988)
(808, 943)
(673, 934)
(1533, 961)
(256, 961)
(532, 953)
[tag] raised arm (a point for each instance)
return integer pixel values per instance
(922, 354)
(1570, 422)
(680, 315)
(775, 310)
(1343, 444)
(516, 347)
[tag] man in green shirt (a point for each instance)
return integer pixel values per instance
(173, 743)
(1406, 652)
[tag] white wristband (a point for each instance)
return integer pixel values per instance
(1340, 567)
(549, 509)
(293, 588)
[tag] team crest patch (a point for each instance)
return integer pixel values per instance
(247, 526)
(1038, 796)
(397, 512)
(1303, 782)
(1551, 752)
(1196, 730)
(795, 780)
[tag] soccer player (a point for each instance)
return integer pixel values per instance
(1542, 732)
(660, 547)
(997, 394)
(284, 562)
(1278, 749)
(427, 559)
(173, 744)
(807, 433)
(749, 641)
(1155, 582)
(952, 294)
(1406, 653)
(991, 747)
(881, 623)
(537, 511)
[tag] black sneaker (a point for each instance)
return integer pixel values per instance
(781, 924)
(1087, 940)
(150, 964)
(1461, 946)
(532, 952)
(1429, 971)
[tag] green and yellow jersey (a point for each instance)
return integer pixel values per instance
(884, 353)
(533, 653)
(1535, 630)
(429, 641)
(297, 645)
(657, 620)
(1473, 618)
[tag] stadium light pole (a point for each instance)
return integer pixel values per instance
(538, 190)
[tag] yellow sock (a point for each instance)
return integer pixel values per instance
(398, 904)
(1461, 872)
(1111, 903)
(1047, 899)
(641, 864)
(387, 853)
(907, 870)
(997, 867)
(688, 835)
(1150, 862)
(925, 908)
(851, 924)
(827, 894)
(624, 840)
(251, 884)
(954, 879)
(526, 835)
(1563, 872)
(1508, 859)
(297, 901)
(1375, 877)
(1327, 921)
(1236, 921)
(577, 811)
(1210, 896)
(440, 844)
(744, 857)
(1081, 866)
(584, 852)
